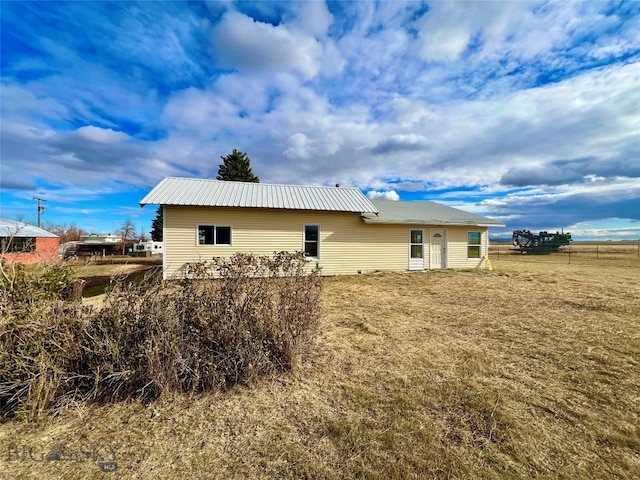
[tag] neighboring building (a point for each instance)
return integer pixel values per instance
(24, 243)
(96, 245)
(339, 228)
(93, 238)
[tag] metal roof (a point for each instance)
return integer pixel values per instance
(217, 193)
(426, 213)
(13, 228)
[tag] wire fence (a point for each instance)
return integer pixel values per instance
(573, 252)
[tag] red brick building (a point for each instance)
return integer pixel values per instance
(24, 243)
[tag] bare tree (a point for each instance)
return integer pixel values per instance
(126, 232)
(141, 236)
(66, 233)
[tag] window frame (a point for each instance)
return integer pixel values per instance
(473, 245)
(305, 241)
(18, 244)
(416, 244)
(215, 235)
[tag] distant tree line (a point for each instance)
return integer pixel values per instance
(73, 233)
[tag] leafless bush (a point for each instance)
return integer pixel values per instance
(40, 337)
(229, 323)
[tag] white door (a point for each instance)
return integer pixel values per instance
(438, 249)
(416, 250)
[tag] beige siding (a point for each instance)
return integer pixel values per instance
(457, 238)
(347, 244)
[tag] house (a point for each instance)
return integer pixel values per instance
(340, 228)
(102, 239)
(98, 245)
(24, 243)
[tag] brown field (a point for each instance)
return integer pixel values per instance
(529, 371)
(99, 274)
(586, 250)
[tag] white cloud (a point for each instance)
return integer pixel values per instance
(299, 147)
(248, 93)
(410, 142)
(447, 28)
(409, 112)
(492, 29)
(20, 103)
(383, 195)
(88, 155)
(248, 45)
(198, 111)
(493, 202)
(444, 44)
(101, 135)
(313, 18)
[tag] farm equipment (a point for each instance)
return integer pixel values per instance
(542, 243)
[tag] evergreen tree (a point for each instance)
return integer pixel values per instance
(236, 167)
(157, 225)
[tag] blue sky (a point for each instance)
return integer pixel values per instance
(526, 112)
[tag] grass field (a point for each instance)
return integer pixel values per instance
(621, 250)
(98, 274)
(529, 371)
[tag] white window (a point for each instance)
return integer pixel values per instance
(473, 245)
(416, 244)
(312, 241)
(214, 235)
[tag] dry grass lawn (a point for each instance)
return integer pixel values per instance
(529, 371)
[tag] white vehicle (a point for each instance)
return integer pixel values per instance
(155, 248)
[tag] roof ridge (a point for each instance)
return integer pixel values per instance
(221, 193)
(258, 183)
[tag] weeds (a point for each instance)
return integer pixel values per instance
(500, 375)
(231, 322)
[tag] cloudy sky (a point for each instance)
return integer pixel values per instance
(527, 112)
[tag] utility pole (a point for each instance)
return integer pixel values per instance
(40, 207)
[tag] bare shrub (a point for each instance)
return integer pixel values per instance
(40, 338)
(229, 323)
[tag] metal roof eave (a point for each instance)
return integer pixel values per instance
(258, 208)
(143, 204)
(492, 224)
(374, 221)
